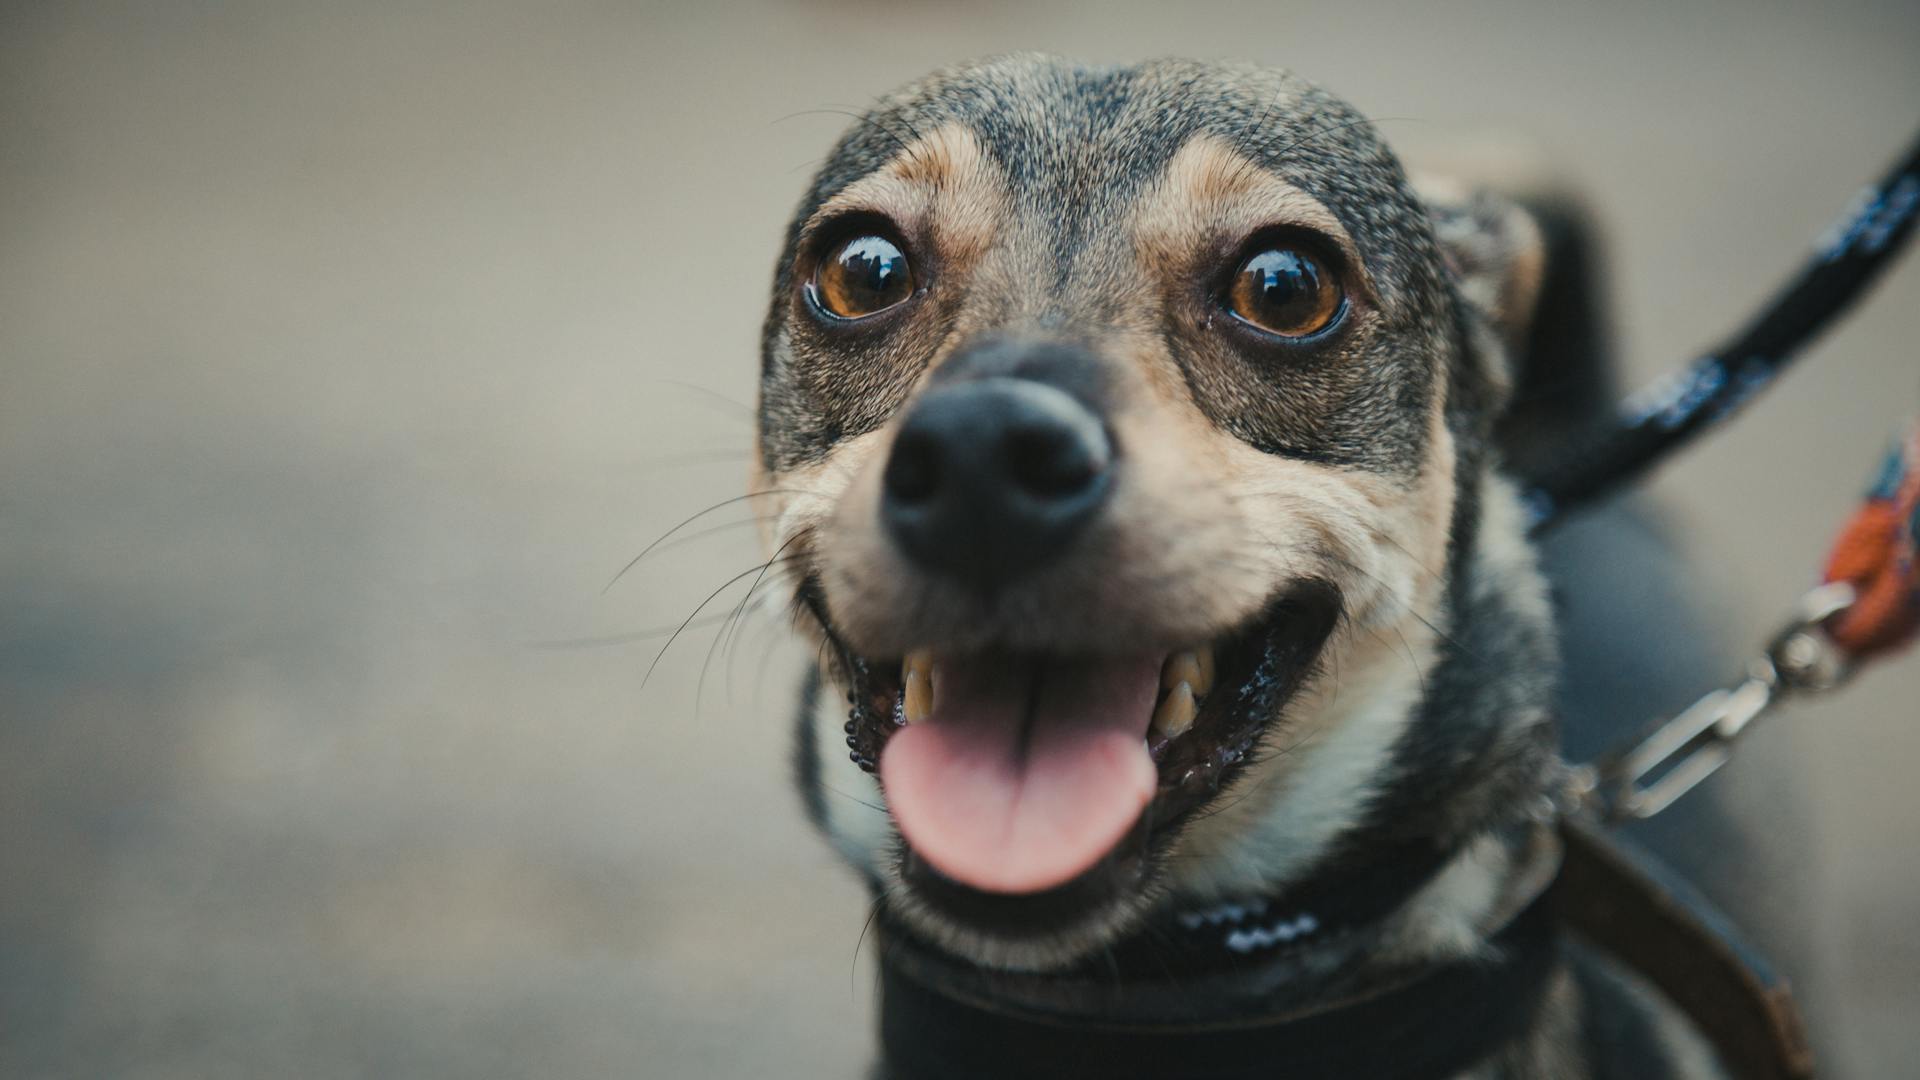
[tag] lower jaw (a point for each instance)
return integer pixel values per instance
(1038, 934)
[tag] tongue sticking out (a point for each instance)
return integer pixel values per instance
(1025, 774)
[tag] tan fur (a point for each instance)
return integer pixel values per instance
(1243, 467)
(1383, 545)
(942, 185)
(1196, 541)
(1210, 190)
(1198, 538)
(1206, 526)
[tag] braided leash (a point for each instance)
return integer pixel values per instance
(1662, 417)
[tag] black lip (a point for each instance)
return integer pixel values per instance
(1261, 668)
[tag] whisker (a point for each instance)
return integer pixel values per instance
(853, 966)
(700, 685)
(875, 807)
(741, 576)
(701, 534)
(1411, 610)
(757, 606)
(1412, 663)
(805, 531)
(860, 118)
(810, 163)
(1411, 557)
(606, 640)
(740, 409)
(722, 504)
(760, 674)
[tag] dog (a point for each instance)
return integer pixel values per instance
(1135, 443)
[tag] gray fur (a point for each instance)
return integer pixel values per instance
(1078, 147)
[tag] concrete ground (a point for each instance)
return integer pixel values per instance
(347, 351)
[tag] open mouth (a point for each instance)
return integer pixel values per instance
(1033, 783)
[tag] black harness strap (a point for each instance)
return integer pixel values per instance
(1435, 1025)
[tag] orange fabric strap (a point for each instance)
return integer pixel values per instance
(1875, 553)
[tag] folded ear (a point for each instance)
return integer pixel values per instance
(1493, 250)
(1525, 259)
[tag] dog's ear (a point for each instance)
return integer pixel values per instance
(1528, 263)
(1494, 251)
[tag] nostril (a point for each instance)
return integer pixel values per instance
(1055, 461)
(988, 479)
(913, 469)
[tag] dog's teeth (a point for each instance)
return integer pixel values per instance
(920, 660)
(1175, 714)
(918, 679)
(1193, 667)
(1181, 667)
(919, 696)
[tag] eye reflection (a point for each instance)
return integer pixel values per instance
(1286, 292)
(862, 276)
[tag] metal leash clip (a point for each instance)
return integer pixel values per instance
(1679, 753)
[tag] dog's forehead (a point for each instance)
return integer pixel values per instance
(1072, 143)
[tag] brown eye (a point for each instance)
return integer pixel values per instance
(862, 276)
(1286, 292)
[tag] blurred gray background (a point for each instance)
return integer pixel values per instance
(346, 351)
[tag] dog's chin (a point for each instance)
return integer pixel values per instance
(1198, 731)
(1048, 930)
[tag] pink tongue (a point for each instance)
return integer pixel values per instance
(1025, 775)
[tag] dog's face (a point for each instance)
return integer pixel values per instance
(1117, 421)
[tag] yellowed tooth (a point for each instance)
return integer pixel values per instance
(1175, 714)
(1203, 660)
(1181, 667)
(918, 690)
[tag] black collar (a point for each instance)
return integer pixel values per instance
(1231, 938)
(1212, 994)
(1433, 1023)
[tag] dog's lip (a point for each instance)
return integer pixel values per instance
(1260, 666)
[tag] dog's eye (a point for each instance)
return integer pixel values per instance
(862, 276)
(1285, 291)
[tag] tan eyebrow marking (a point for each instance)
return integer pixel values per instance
(943, 184)
(1211, 190)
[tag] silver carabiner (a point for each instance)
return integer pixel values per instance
(1677, 755)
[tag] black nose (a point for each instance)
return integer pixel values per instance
(992, 478)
